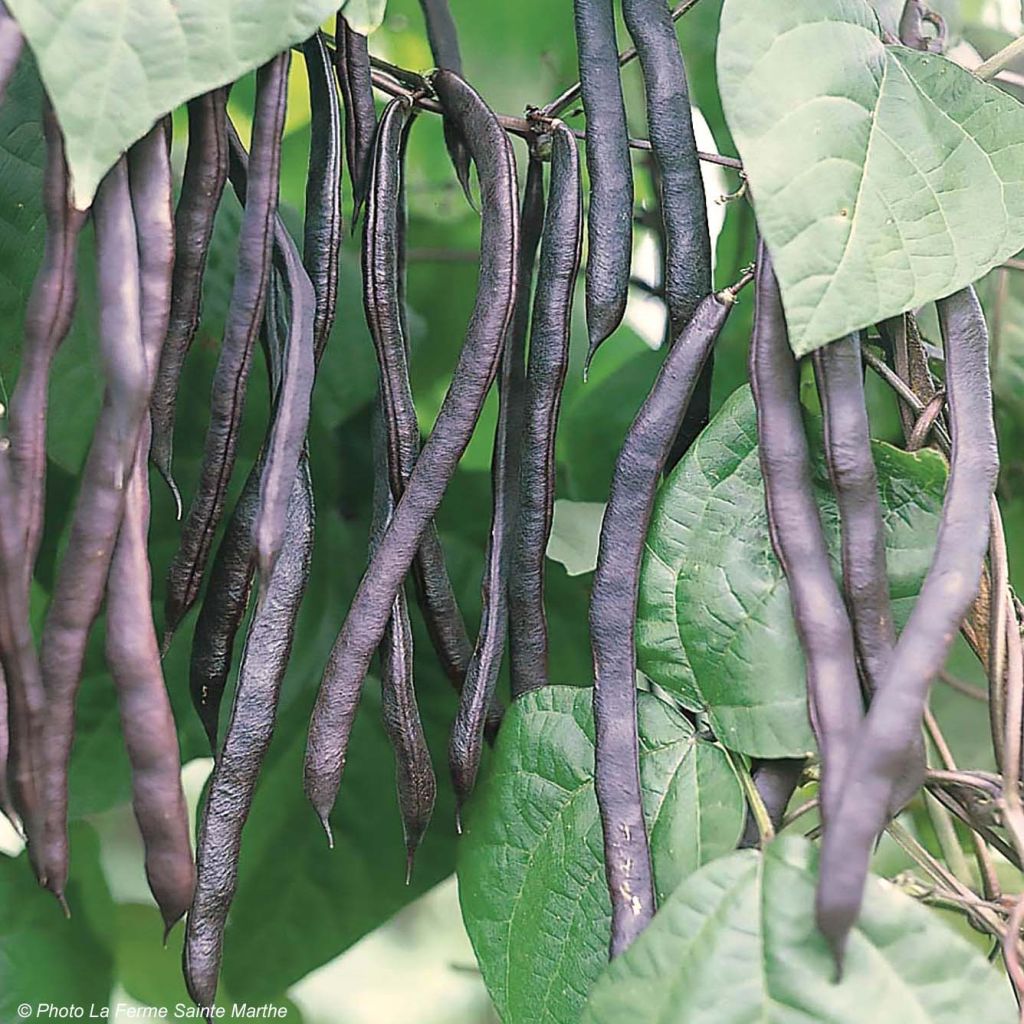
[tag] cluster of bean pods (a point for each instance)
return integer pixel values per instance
(867, 686)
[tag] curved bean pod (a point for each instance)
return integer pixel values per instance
(265, 657)
(322, 231)
(610, 218)
(79, 588)
(352, 65)
(478, 362)
(47, 320)
(894, 719)
(444, 46)
(548, 362)
(11, 43)
(245, 314)
(822, 623)
(840, 375)
(202, 185)
(414, 773)
(613, 618)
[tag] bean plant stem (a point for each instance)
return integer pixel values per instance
(388, 82)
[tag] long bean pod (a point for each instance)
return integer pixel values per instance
(202, 185)
(47, 320)
(444, 46)
(383, 275)
(840, 375)
(548, 362)
(11, 44)
(368, 614)
(352, 65)
(321, 246)
(245, 314)
(610, 217)
(894, 719)
(414, 773)
(78, 591)
(265, 657)
(6, 800)
(613, 616)
(477, 694)
(822, 623)
(670, 125)
(21, 669)
(132, 648)
(292, 392)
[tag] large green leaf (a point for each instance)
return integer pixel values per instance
(715, 625)
(737, 943)
(531, 865)
(113, 67)
(364, 15)
(45, 958)
(883, 177)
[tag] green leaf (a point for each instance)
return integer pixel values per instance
(737, 943)
(715, 625)
(531, 865)
(883, 177)
(364, 15)
(45, 958)
(113, 67)
(575, 535)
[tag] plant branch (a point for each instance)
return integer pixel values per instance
(1000, 60)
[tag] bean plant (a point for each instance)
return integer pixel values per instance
(328, 327)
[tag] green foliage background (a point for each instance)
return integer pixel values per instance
(299, 906)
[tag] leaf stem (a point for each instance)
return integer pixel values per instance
(1000, 60)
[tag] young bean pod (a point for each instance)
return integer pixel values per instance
(265, 657)
(822, 624)
(894, 719)
(245, 314)
(610, 218)
(352, 65)
(11, 44)
(321, 245)
(444, 46)
(47, 320)
(478, 362)
(613, 617)
(414, 772)
(133, 652)
(206, 169)
(548, 362)
(840, 376)
(81, 579)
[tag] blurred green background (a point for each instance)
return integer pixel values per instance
(336, 936)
